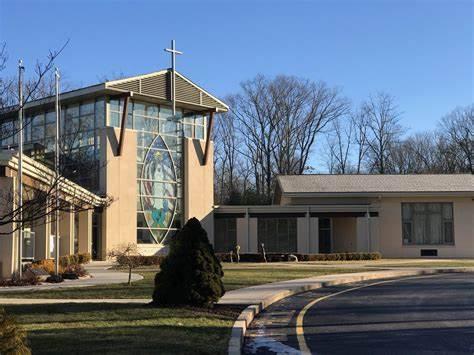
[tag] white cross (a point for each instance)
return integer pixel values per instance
(173, 52)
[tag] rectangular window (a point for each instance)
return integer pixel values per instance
(225, 234)
(427, 223)
(277, 234)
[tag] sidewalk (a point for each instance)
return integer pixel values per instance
(99, 270)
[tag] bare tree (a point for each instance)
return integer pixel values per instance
(278, 121)
(458, 129)
(383, 128)
(360, 137)
(339, 145)
(127, 255)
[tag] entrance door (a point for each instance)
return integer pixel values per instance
(324, 235)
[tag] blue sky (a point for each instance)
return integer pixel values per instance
(419, 51)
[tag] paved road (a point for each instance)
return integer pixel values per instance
(419, 315)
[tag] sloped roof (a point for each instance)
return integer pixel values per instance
(374, 184)
(155, 86)
(158, 85)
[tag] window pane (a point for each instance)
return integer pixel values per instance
(37, 133)
(139, 109)
(86, 122)
(199, 131)
(100, 113)
(51, 130)
(448, 232)
(199, 119)
(434, 235)
(51, 117)
(72, 111)
(165, 112)
(115, 119)
(447, 211)
(87, 108)
(188, 130)
(38, 120)
(169, 127)
(407, 234)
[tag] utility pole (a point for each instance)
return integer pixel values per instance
(56, 168)
(21, 69)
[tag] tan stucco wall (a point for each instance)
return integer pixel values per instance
(253, 237)
(390, 239)
(8, 250)
(314, 236)
(119, 181)
(302, 240)
(364, 238)
(199, 184)
(242, 234)
(344, 234)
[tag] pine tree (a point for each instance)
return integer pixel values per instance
(190, 274)
(12, 337)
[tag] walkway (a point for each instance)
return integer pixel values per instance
(100, 272)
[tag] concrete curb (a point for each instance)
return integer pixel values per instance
(248, 314)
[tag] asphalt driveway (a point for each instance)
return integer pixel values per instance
(419, 315)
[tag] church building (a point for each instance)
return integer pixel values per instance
(154, 167)
(138, 163)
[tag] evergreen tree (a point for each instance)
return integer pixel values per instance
(12, 337)
(190, 274)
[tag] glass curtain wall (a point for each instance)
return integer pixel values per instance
(79, 139)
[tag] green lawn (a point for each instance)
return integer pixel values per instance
(120, 329)
(235, 276)
(124, 329)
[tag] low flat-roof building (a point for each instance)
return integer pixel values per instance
(397, 215)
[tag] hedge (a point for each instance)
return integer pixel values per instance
(153, 260)
(74, 259)
(278, 257)
(140, 260)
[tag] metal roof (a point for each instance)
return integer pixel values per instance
(153, 87)
(375, 184)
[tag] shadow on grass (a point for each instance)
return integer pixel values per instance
(89, 328)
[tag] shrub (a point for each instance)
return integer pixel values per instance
(73, 272)
(17, 282)
(55, 279)
(279, 257)
(84, 258)
(190, 274)
(12, 336)
(74, 259)
(45, 264)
